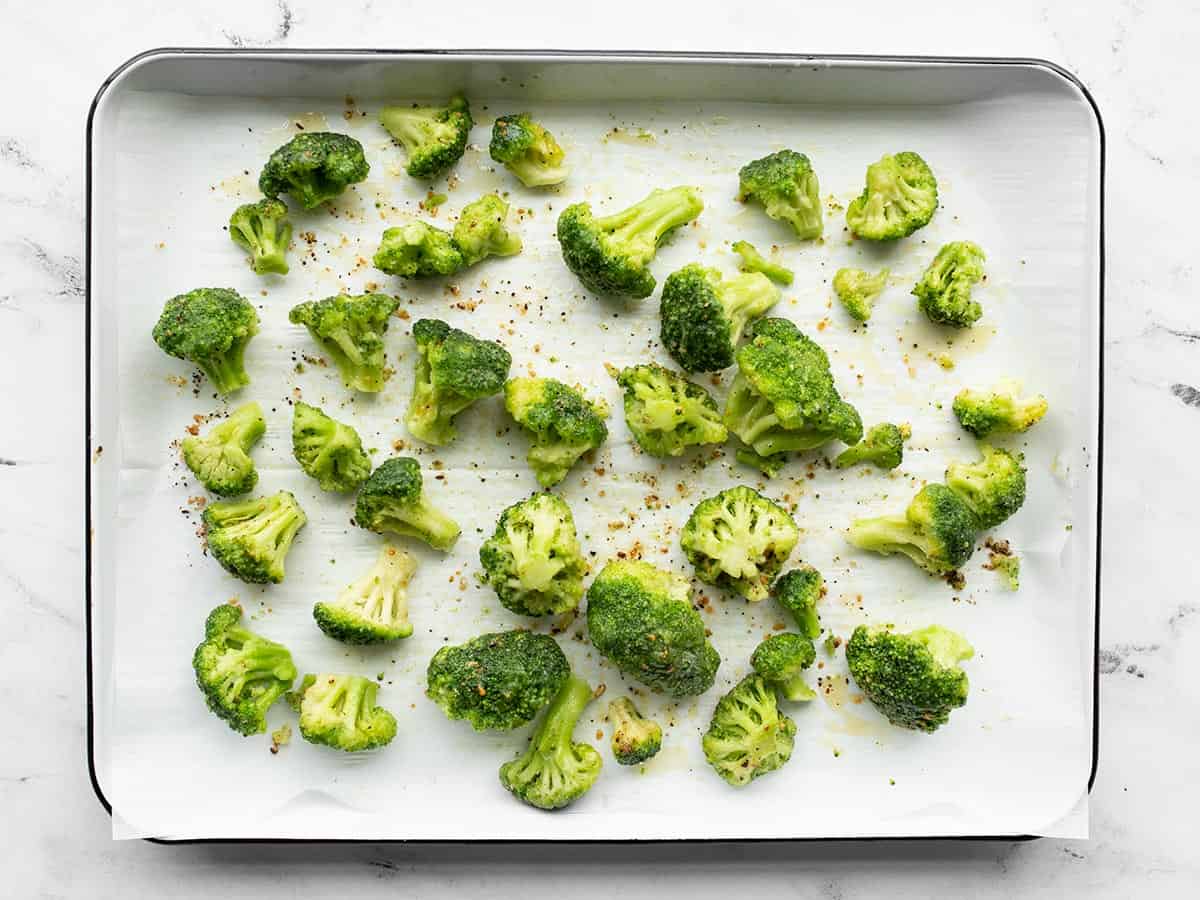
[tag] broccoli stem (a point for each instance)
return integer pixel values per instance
(746, 297)
(557, 726)
(652, 217)
(442, 531)
(228, 372)
(796, 689)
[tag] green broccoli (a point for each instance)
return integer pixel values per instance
(748, 735)
(562, 424)
(635, 738)
(555, 771)
(753, 261)
(328, 450)
(481, 231)
(434, 137)
(373, 609)
(798, 591)
(937, 531)
(642, 619)
(240, 674)
(769, 466)
(418, 250)
(999, 410)
(262, 229)
(497, 681)
(339, 711)
(857, 290)
(528, 150)
(783, 397)
(1008, 565)
(533, 560)
(944, 291)
(454, 369)
(786, 186)
(994, 487)
(739, 540)
(703, 316)
(251, 538)
(900, 196)
(666, 413)
(610, 255)
(211, 328)
(883, 446)
(314, 167)
(351, 329)
(913, 679)
(781, 659)
(221, 459)
(393, 500)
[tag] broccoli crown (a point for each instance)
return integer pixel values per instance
(738, 540)
(434, 137)
(937, 531)
(393, 500)
(857, 290)
(913, 679)
(753, 261)
(221, 459)
(781, 660)
(748, 735)
(562, 424)
(783, 397)
(314, 167)
(262, 228)
(900, 196)
(240, 674)
(994, 487)
(532, 560)
(666, 413)
(528, 150)
(635, 738)
(418, 250)
(798, 591)
(251, 538)
(454, 369)
(211, 328)
(497, 681)
(554, 771)
(703, 316)
(339, 711)
(944, 291)
(769, 466)
(786, 186)
(328, 450)
(351, 329)
(642, 619)
(998, 410)
(883, 446)
(481, 232)
(374, 609)
(610, 254)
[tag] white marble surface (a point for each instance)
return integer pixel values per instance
(1139, 59)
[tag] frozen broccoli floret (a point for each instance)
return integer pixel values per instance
(418, 250)
(786, 186)
(798, 591)
(351, 329)
(994, 487)
(666, 413)
(373, 609)
(937, 531)
(481, 230)
(781, 660)
(528, 150)
(883, 446)
(900, 197)
(635, 738)
(211, 328)
(1007, 564)
(251, 538)
(748, 736)
(393, 500)
(562, 424)
(314, 167)
(769, 466)
(857, 290)
(339, 711)
(753, 261)
(944, 291)
(221, 459)
(999, 410)
(434, 137)
(328, 450)
(263, 230)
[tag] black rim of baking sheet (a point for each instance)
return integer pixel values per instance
(599, 56)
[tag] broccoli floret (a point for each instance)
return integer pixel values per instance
(481, 231)
(753, 261)
(937, 531)
(339, 711)
(497, 681)
(211, 328)
(555, 771)
(393, 500)
(262, 228)
(883, 446)
(769, 466)
(221, 459)
(900, 196)
(454, 370)
(418, 250)
(373, 609)
(533, 560)
(1009, 567)
(240, 674)
(783, 397)
(251, 538)
(913, 679)
(666, 413)
(642, 619)
(748, 735)
(994, 487)
(351, 330)
(562, 424)
(739, 540)
(328, 450)
(635, 738)
(434, 137)
(798, 591)
(786, 186)
(610, 254)
(999, 410)
(781, 660)
(857, 290)
(314, 167)
(528, 150)
(944, 291)
(703, 316)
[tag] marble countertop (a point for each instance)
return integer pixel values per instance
(1138, 58)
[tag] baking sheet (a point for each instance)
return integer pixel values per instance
(1016, 173)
